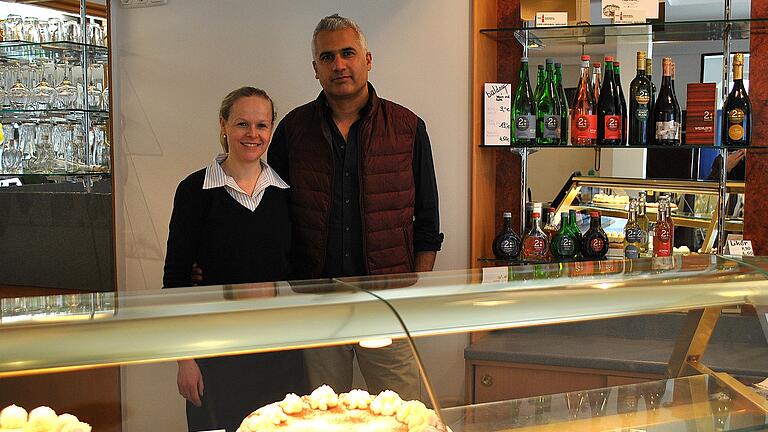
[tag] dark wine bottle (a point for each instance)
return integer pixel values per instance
(639, 106)
(609, 109)
(622, 100)
(666, 113)
(649, 74)
(564, 105)
(677, 106)
(737, 110)
(548, 110)
(584, 112)
(506, 245)
(594, 244)
(596, 78)
(524, 110)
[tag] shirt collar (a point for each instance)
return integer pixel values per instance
(216, 177)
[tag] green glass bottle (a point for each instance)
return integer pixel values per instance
(573, 226)
(548, 116)
(541, 76)
(563, 101)
(524, 110)
(564, 246)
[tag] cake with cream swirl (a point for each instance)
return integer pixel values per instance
(356, 411)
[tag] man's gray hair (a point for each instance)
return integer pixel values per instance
(337, 22)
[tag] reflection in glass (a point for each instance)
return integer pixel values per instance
(30, 30)
(598, 401)
(627, 399)
(12, 27)
(574, 401)
(653, 392)
(11, 157)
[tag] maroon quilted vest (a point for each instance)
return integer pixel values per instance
(386, 138)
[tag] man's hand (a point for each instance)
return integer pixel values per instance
(425, 261)
(190, 382)
(734, 158)
(197, 274)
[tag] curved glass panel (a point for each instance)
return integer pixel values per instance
(208, 321)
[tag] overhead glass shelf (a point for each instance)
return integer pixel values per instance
(24, 51)
(78, 171)
(683, 146)
(13, 115)
(680, 31)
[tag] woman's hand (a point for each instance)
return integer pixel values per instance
(190, 382)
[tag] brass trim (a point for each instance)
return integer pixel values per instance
(727, 381)
(692, 341)
(682, 186)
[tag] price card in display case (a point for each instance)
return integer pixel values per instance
(740, 248)
(497, 103)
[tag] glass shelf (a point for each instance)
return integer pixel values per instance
(85, 171)
(14, 115)
(572, 147)
(695, 403)
(659, 32)
(21, 50)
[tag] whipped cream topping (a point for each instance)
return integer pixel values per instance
(356, 399)
(386, 403)
(76, 426)
(13, 417)
(42, 419)
(257, 423)
(323, 398)
(273, 413)
(292, 404)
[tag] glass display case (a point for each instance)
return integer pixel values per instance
(55, 334)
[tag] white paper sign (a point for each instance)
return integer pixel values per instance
(497, 100)
(551, 19)
(740, 247)
(611, 8)
(629, 16)
(495, 275)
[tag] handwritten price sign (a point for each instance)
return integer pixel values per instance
(740, 247)
(497, 101)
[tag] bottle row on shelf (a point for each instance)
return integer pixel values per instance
(600, 114)
(566, 242)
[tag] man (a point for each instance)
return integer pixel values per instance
(363, 195)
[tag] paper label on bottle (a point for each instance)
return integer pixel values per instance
(667, 130)
(510, 246)
(631, 252)
(612, 129)
(597, 244)
(634, 235)
(736, 128)
(565, 246)
(642, 112)
(584, 126)
(525, 127)
(551, 127)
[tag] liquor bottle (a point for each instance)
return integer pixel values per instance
(564, 106)
(535, 241)
(548, 110)
(633, 233)
(573, 226)
(584, 112)
(609, 109)
(677, 105)
(622, 100)
(737, 110)
(594, 244)
(564, 246)
(642, 220)
(597, 83)
(541, 76)
(524, 110)
(649, 74)
(662, 235)
(666, 112)
(639, 106)
(550, 229)
(506, 245)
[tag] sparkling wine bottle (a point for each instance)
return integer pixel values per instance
(642, 220)
(639, 106)
(737, 110)
(584, 112)
(524, 110)
(633, 233)
(547, 110)
(609, 109)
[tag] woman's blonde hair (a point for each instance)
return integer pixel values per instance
(229, 101)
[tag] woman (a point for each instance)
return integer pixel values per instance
(232, 220)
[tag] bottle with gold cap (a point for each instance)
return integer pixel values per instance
(666, 111)
(639, 117)
(737, 110)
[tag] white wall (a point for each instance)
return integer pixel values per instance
(172, 65)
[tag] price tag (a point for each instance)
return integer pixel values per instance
(740, 247)
(629, 16)
(497, 101)
(551, 19)
(495, 275)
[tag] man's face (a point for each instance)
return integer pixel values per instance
(341, 64)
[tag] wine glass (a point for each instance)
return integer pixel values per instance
(43, 94)
(66, 92)
(27, 145)
(93, 91)
(18, 93)
(56, 29)
(12, 27)
(30, 30)
(71, 31)
(11, 158)
(74, 154)
(95, 33)
(44, 148)
(574, 401)
(598, 401)
(100, 147)
(44, 31)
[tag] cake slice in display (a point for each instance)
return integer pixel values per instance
(41, 419)
(325, 411)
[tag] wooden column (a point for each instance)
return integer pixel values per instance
(756, 199)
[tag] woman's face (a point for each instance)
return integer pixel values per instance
(249, 128)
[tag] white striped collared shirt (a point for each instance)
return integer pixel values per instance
(216, 177)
